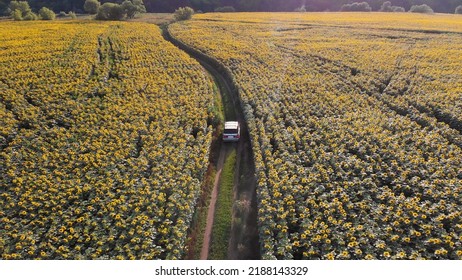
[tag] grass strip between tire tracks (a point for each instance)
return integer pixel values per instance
(223, 213)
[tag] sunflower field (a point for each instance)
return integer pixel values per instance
(104, 140)
(356, 127)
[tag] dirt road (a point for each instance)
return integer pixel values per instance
(243, 243)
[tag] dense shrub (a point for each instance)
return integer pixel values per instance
(63, 14)
(128, 8)
(30, 16)
(16, 15)
(398, 9)
(46, 14)
(225, 9)
(387, 7)
(183, 13)
(22, 6)
(133, 7)
(459, 9)
(356, 7)
(91, 6)
(423, 9)
(110, 11)
(20, 10)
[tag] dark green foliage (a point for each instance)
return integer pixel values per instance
(91, 6)
(387, 7)
(423, 9)
(183, 13)
(110, 11)
(30, 16)
(63, 14)
(3, 6)
(225, 9)
(357, 7)
(20, 10)
(46, 14)
(133, 7)
(113, 11)
(59, 5)
(16, 15)
(21, 6)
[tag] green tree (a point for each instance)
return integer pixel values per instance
(16, 15)
(30, 16)
(357, 7)
(386, 7)
(424, 9)
(183, 13)
(91, 6)
(133, 7)
(21, 6)
(20, 10)
(46, 14)
(459, 10)
(110, 11)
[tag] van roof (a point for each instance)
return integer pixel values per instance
(231, 125)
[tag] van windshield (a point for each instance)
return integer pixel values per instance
(230, 131)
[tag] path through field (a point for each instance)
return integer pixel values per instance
(243, 242)
(211, 210)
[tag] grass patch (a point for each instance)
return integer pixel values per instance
(223, 214)
(216, 110)
(228, 105)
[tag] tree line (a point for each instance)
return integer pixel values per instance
(21, 10)
(158, 6)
